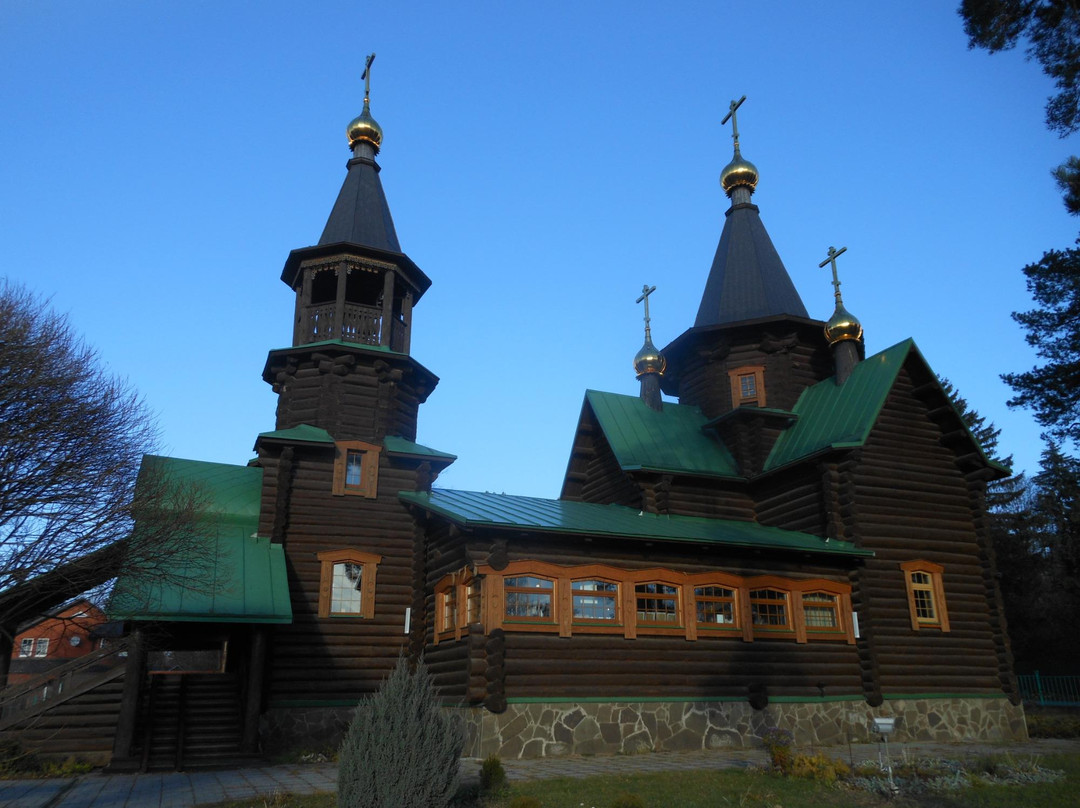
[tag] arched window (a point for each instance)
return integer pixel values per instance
(347, 583)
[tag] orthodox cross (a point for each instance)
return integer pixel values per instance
(646, 290)
(734, 120)
(366, 77)
(833, 253)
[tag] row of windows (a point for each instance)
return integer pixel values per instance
(536, 596)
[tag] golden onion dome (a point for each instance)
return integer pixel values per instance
(364, 128)
(842, 325)
(649, 360)
(738, 172)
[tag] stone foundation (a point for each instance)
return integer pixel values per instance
(312, 729)
(587, 728)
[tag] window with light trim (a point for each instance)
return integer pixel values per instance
(926, 595)
(747, 386)
(769, 610)
(41, 647)
(26, 647)
(657, 602)
(347, 583)
(717, 607)
(356, 469)
(529, 597)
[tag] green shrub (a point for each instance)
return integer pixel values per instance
(628, 801)
(777, 743)
(819, 767)
(1051, 725)
(401, 750)
(492, 775)
(525, 802)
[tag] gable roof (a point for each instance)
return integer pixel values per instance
(228, 573)
(832, 416)
(747, 279)
(670, 440)
(473, 509)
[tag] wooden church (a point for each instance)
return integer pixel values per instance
(799, 542)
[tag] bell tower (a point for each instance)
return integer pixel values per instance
(349, 369)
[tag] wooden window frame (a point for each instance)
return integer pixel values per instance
(369, 564)
(563, 577)
(369, 468)
(735, 376)
(462, 584)
(936, 588)
(586, 625)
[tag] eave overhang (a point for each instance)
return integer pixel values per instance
(410, 271)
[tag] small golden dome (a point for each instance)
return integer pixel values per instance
(842, 325)
(365, 128)
(649, 360)
(738, 172)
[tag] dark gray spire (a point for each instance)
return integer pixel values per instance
(361, 214)
(747, 279)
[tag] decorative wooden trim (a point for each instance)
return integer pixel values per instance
(737, 398)
(369, 563)
(369, 468)
(937, 591)
(627, 624)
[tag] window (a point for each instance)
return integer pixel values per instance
(657, 603)
(595, 600)
(347, 583)
(820, 612)
(747, 386)
(926, 595)
(715, 607)
(356, 469)
(528, 597)
(41, 647)
(26, 647)
(472, 600)
(768, 609)
(448, 612)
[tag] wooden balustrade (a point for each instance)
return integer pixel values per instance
(361, 324)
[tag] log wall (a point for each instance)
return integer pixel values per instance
(794, 357)
(912, 502)
(541, 665)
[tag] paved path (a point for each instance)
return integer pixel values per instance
(187, 789)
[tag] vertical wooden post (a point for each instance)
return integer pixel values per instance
(406, 319)
(129, 701)
(387, 309)
(339, 306)
(302, 335)
(253, 702)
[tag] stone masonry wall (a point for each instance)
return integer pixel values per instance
(583, 728)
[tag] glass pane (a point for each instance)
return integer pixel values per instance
(26, 647)
(42, 647)
(718, 612)
(920, 578)
(748, 386)
(820, 616)
(473, 596)
(345, 591)
(713, 592)
(528, 581)
(353, 466)
(657, 609)
(528, 604)
(449, 609)
(924, 604)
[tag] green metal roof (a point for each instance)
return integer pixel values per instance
(670, 440)
(228, 573)
(339, 343)
(832, 416)
(304, 433)
(471, 509)
(399, 445)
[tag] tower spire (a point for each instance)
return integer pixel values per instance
(649, 363)
(843, 330)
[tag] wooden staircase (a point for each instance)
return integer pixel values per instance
(191, 721)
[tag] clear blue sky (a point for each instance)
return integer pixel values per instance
(542, 161)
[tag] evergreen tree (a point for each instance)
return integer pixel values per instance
(402, 750)
(1052, 390)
